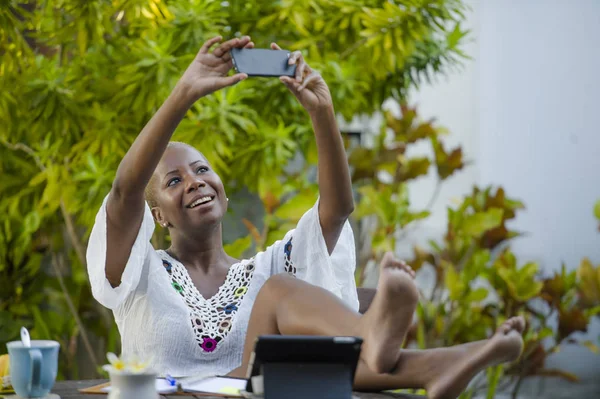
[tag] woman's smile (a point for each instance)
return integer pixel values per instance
(201, 201)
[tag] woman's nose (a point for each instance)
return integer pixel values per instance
(195, 184)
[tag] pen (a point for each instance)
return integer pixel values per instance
(171, 380)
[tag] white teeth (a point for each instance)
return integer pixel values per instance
(199, 201)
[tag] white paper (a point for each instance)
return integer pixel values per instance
(221, 385)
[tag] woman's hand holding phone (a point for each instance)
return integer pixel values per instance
(308, 85)
(208, 71)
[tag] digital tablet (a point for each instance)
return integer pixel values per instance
(292, 355)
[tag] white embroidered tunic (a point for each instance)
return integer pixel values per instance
(161, 315)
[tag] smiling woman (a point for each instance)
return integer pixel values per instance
(189, 305)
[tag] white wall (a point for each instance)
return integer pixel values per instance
(539, 120)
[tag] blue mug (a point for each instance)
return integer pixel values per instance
(33, 370)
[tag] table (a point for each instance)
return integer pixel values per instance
(70, 390)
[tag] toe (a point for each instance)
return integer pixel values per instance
(387, 260)
(400, 264)
(511, 322)
(519, 324)
(514, 323)
(408, 269)
(505, 327)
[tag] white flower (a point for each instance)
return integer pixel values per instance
(116, 364)
(121, 365)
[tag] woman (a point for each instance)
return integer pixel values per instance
(192, 306)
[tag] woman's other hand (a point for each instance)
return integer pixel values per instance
(308, 85)
(208, 71)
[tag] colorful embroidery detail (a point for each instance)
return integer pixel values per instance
(287, 251)
(208, 344)
(229, 309)
(177, 287)
(168, 266)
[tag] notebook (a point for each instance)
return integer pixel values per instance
(228, 386)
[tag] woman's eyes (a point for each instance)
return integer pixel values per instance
(175, 180)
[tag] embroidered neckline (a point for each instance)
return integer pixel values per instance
(195, 290)
(212, 318)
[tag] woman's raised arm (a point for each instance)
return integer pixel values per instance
(336, 202)
(125, 207)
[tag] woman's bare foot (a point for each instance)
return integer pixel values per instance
(504, 346)
(389, 317)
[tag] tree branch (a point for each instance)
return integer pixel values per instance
(434, 196)
(57, 264)
(79, 248)
(25, 148)
(411, 227)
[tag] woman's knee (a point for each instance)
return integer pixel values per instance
(280, 285)
(273, 300)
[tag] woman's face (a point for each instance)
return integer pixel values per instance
(189, 194)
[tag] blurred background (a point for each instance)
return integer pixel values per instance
(472, 137)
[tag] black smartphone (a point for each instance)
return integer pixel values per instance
(262, 62)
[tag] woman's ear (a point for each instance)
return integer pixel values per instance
(158, 217)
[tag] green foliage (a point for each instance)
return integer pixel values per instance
(78, 80)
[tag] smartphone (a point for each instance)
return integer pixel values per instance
(262, 62)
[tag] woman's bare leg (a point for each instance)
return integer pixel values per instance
(290, 306)
(446, 372)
